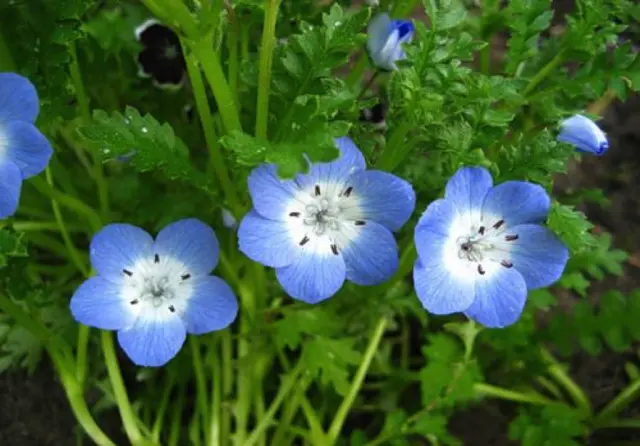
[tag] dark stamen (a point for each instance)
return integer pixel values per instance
(481, 230)
(156, 258)
(185, 276)
(304, 241)
(466, 246)
(360, 222)
(481, 270)
(498, 224)
(127, 272)
(511, 238)
(134, 301)
(506, 264)
(294, 214)
(347, 191)
(172, 308)
(317, 190)
(334, 249)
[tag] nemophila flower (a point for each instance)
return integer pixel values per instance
(331, 224)
(584, 134)
(385, 39)
(155, 292)
(162, 58)
(481, 248)
(24, 151)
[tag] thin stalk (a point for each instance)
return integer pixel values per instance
(201, 386)
(558, 373)
(630, 423)
(619, 403)
(290, 411)
(361, 373)
(227, 381)
(368, 85)
(216, 395)
(266, 61)
(355, 74)
(543, 73)
(162, 409)
(216, 157)
(318, 437)
(129, 421)
(285, 388)
(218, 82)
(487, 390)
(232, 45)
(37, 226)
(6, 59)
(174, 12)
(81, 353)
(176, 420)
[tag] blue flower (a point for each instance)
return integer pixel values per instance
(583, 133)
(385, 41)
(155, 292)
(481, 248)
(332, 224)
(24, 151)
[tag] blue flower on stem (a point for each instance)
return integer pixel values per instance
(332, 224)
(155, 292)
(385, 40)
(583, 133)
(481, 248)
(24, 151)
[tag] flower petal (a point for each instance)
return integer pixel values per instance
(270, 195)
(191, 242)
(100, 303)
(25, 146)
(443, 282)
(371, 253)
(212, 306)
(583, 133)
(18, 98)
(466, 190)
(405, 29)
(390, 52)
(381, 197)
(10, 185)
(155, 339)
(538, 255)
(500, 296)
(316, 275)
(439, 218)
(265, 241)
(119, 246)
(378, 32)
(516, 202)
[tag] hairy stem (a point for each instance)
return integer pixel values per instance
(266, 60)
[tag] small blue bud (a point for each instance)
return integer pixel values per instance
(584, 134)
(228, 219)
(386, 37)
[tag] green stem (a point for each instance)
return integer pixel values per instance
(216, 157)
(266, 60)
(244, 377)
(285, 388)
(232, 45)
(201, 386)
(216, 395)
(162, 409)
(174, 12)
(71, 249)
(227, 382)
(558, 373)
(347, 402)
(487, 390)
(368, 85)
(293, 404)
(218, 83)
(6, 60)
(319, 438)
(395, 150)
(404, 8)
(356, 73)
(630, 423)
(37, 226)
(69, 202)
(619, 403)
(74, 393)
(543, 73)
(176, 419)
(81, 353)
(129, 421)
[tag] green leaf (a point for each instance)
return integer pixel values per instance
(12, 244)
(145, 144)
(331, 358)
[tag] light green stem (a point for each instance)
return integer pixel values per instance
(291, 408)
(216, 157)
(201, 386)
(6, 60)
(487, 390)
(216, 395)
(81, 353)
(285, 389)
(543, 73)
(218, 83)
(619, 403)
(227, 382)
(162, 409)
(129, 420)
(361, 373)
(558, 373)
(266, 61)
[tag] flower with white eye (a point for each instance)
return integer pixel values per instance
(481, 248)
(162, 58)
(385, 40)
(584, 134)
(331, 224)
(24, 151)
(154, 292)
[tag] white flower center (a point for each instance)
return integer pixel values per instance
(157, 284)
(325, 218)
(4, 142)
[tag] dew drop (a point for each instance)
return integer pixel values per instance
(144, 130)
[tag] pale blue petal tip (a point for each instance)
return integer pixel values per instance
(584, 134)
